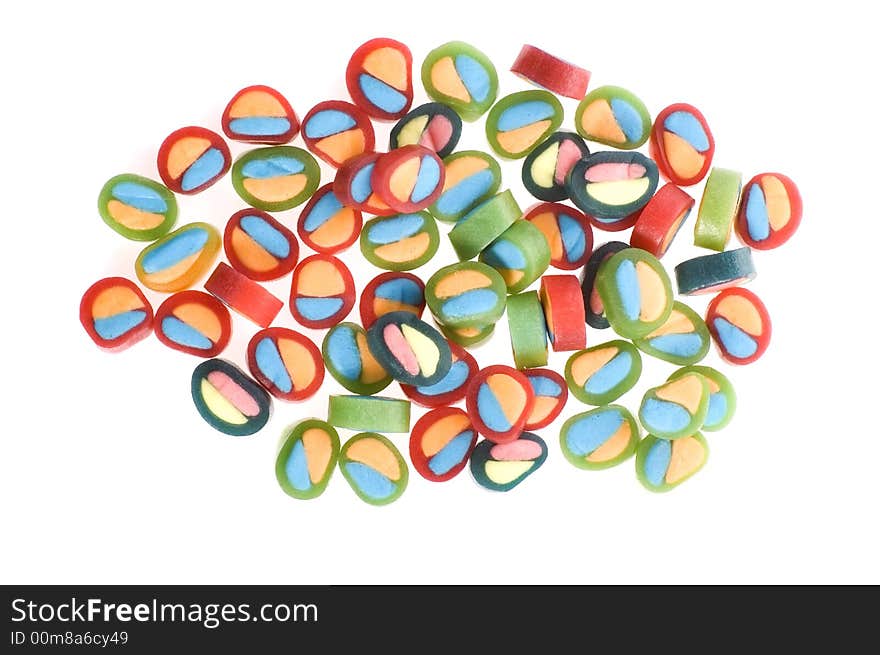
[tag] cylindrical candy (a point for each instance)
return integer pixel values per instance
(336, 131)
(712, 273)
(409, 178)
(374, 468)
(409, 349)
(307, 458)
(517, 123)
(228, 400)
(400, 242)
(353, 185)
(193, 322)
(286, 363)
(546, 167)
(459, 75)
(549, 72)
(115, 313)
(682, 339)
(468, 337)
(551, 394)
(178, 259)
(192, 158)
(243, 295)
(603, 373)
(566, 231)
(662, 465)
(740, 325)
(466, 294)
(770, 211)
(350, 362)
(614, 117)
(137, 207)
(275, 178)
(564, 312)
(258, 246)
(661, 219)
(452, 387)
(434, 126)
(392, 292)
(499, 400)
(322, 292)
(718, 208)
(595, 312)
(471, 178)
(636, 292)
(441, 443)
(677, 408)
(500, 467)
(611, 187)
(682, 144)
(600, 438)
(369, 413)
(528, 330)
(260, 114)
(483, 224)
(379, 78)
(520, 255)
(722, 397)
(326, 225)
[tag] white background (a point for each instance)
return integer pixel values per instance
(108, 474)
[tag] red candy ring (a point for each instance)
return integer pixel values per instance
(406, 187)
(564, 312)
(321, 239)
(217, 331)
(739, 324)
(660, 220)
(493, 412)
(789, 210)
(545, 70)
(228, 120)
(250, 257)
(380, 71)
(112, 300)
(243, 295)
(545, 411)
(354, 187)
(183, 148)
(367, 305)
(333, 147)
(322, 292)
(426, 441)
(459, 354)
(289, 347)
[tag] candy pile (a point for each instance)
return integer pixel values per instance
(504, 254)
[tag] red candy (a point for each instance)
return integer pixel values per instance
(410, 178)
(683, 145)
(115, 313)
(450, 389)
(336, 131)
(379, 78)
(564, 312)
(441, 443)
(326, 225)
(393, 291)
(255, 245)
(260, 114)
(660, 220)
(353, 185)
(499, 400)
(551, 394)
(567, 231)
(193, 322)
(192, 158)
(288, 364)
(243, 295)
(554, 74)
(739, 324)
(322, 292)
(770, 211)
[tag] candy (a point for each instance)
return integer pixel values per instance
(517, 123)
(603, 373)
(468, 336)
(564, 312)
(661, 219)
(392, 292)
(350, 362)
(471, 178)
(520, 255)
(441, 443)
(434, 126)
(243, 295)
(115, 313)
(677, 408)
(369, 413)
(260, 114)
(409, 179)
(228, 400)
(483, 224)
(137, 207)
(718, 208)
(459, 75)
(178, 259)
(683, 339)
(614, 117)
(545, 168)
(193, 322)
(499, 400)
(770, 212)
(379, 78)
(551, 394)
(452, 387)
(595, 311)
(600, 438)
(466, 294)
(258, 246)
(500, 467)
(610, 187)
(353, 185)
(409, 349)
(528, 330)
(322, 292)
(636, 292)
(546, 71)
(740, 325)
(662, 465)
(275, 178)
(400, 242)
(567, 232)
(326, 225)
(374, 468)
(286, 363)
(682, 144)
(192, 158)
(722, 397)
(337, 131)
(711, 273)
(307, 459)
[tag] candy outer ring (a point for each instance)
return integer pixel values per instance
(260, 396)
(473, 410)
(275, 139)
(129, 338)
(151, 234)
(658, 153)
(285, 265)
(368, 295)
(557, 192)
(200, 132)
(582, 462)
(355, 68)
(382, 353)
(192, 296)
(361, 120)
(291, 436)
(779, 237)
(563, 397)
(420, 461)
(275, 333)
(762, 340)
(355, 386)
(348, 295)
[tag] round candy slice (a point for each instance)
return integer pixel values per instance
(566, 230)
(115, 313)
(722, 397)
(400, 242)
(662, 465)
(369, 413)
(517, 123)
(718, 208)
(326, 225)
(258, 246)
(468, 337)
(374, 468)
(434, 126)
(286, 363)
(260, 114)
(409, 179)
(546, 167)
(603, 373)
(353, 185)
(275, 178)
(228, 400)
(459, 75)
(683, 339)
(307, 459)
(739, 324)
(392, 292)
(500, 467)
(441, 443)
(564, 312)
(471, 178)
(610, 187)
(548, 72)
(682, 144)
(661, 219)
(409, 349)
(595, 312)
(677, 408)
(193, 322)
(711, 273)
(636, 292)
(322, 292)
(350, 362)
(137, 207)
(600, 438)
(528, 330)
(336, 131)
(520, 254)
(483, 224)
(614, 117)
(452, 387)
(499, 400)
(379, 78)
(466, 294)
(192, 158)
(178, 259)
(243, 295)
(551, 394)
(770, 212)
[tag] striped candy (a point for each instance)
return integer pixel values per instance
(471, 178)
(520, 121)
(195, 323)
(567, 232)
(260, 114)
(286, 363)
(466, 294)
(192, 158)
(392, 292)
(433, 126)
(499, 400)
(546, 167)
(258, 246)
(374, 468)
(441, 443)
(228, 400)
(179, 259)
(682, 144)
(601, 374)
(410, 350)
(326, 225)
(115, 314)
(501, 467)
(400, 242)
(459, 75)
(682, 339)
(521, 255)
(275, 178)
(322, 292)
(452, 387)
(770, 211)
(722, 397)
(307, 459)
(336, 131)
(551, 394)
(379, 78)
(614, 117)
(137, 207)
(600, 438)
(739, 324)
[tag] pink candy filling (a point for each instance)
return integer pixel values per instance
(438, 133)
(614, 172)
(521, 449)
(230, 389)
(400, 348)
(568, 156)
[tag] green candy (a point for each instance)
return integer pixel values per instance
(521, 254)
(718, 208)
(369, 413)
(137, 207)
(348, 359)
(613, 116)
(310, 446)
(483, 224)
(662, 465)
(677, 408)
(635, 292)
(520, 122)
(462, 77)
(374, 468)
(275, 178)
(683, 339)
(466, 294)
(603, 373)
(600, 438)
(471, 178)
(468, 336)
(528, 330)
(401, 242)
(722, 397)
